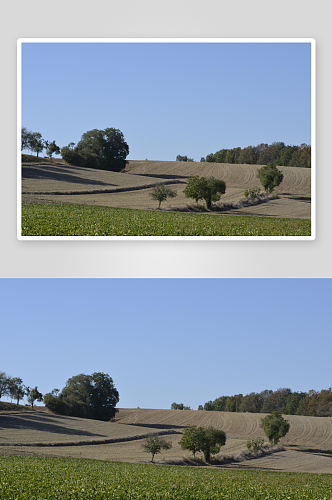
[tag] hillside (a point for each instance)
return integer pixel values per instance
(307, 446)
(56, 182)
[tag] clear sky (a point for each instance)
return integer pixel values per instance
(169, 99)
(169, 340)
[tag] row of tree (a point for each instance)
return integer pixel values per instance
(87, 396)
(15, 389)
(276, 153)
(34, 142)
(283, 400)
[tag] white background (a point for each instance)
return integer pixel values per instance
(159, 18)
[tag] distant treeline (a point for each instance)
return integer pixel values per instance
(312, 403)
(276, 153)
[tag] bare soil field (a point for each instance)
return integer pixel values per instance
(61, 183)
(308, 445)
(296, 180)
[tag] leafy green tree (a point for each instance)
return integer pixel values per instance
(16, 389)
(154, 444)
(161, 193)
(108, 145)
(200, 408)
(192, 439)
(202, 188)
(52, 148)
(4, 384)
(255, 444)
(25, 138)
(181, 158)
(208, 440)
(177, 406)
(36, 143)
(270, 177)
(33, 395)
(275, 426)
(88, 396)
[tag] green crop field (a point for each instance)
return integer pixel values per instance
(37, 478)
(85, 220)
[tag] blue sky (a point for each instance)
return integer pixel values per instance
(169, 98)
(169, 340)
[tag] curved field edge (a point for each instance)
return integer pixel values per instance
(45, 478)
(81, 220)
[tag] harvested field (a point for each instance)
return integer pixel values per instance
(308, 432)
(308, 444)
(296, 180)
(61, 183)
(41, 427)
(44, 178)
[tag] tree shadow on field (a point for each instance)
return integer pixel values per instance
(316, 451)
(59, 174)
(42, 424)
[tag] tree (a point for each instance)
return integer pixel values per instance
(181, 158)
(192, 439)
(4, 384)
(36, 143)
(88, 396)
(274, 426)
(33, 395)
(25, 138)
(177, 406)
(161, 193)
(51, 148)
(16, 389)
(202, 188)
(154, 444)
(270, 177)
(208, 440)
(108, 145)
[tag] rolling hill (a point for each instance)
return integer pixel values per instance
(307, 446)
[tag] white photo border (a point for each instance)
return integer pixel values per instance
(312, 42)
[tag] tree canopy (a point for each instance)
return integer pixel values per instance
(161, 193)
(205, 439)
(202, 188)
(103, 149)
(275, 426)
(154, 444)
(90, 396)
(270, 177)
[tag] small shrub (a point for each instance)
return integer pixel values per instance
(255, 444)
(252, 193)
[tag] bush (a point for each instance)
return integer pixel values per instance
(252, 193)
(270, 177)
(275, 427)
(255, 444)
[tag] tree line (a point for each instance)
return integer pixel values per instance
(276, 153)
(34, 142)
(283, 400)
(102, 149)
(86, 396)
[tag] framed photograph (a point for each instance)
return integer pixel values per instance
(198, 139)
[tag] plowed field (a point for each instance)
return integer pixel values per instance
(308, 444)
(61, 183)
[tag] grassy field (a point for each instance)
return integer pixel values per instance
(86, 220)
(53, 478)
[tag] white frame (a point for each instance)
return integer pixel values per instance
(312, 41)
